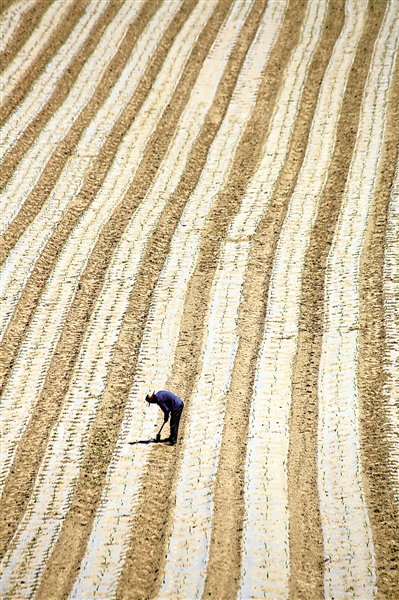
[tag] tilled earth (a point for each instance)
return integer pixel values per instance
(135, 257)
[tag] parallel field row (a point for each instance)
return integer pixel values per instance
(162, 192)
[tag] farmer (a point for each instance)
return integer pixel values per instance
(168, 403)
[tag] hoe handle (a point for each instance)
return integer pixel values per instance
(159, 432)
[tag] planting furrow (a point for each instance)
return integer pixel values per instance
(56, 129)
(35, 44)
(20, 483)
(305, 528)
(376, 421)
(199, 465)
(391, 322)
(348, 544)
(30, 366)
(26, 136)
(144, 563)
(66, 446)
(265, 566)
(44, 85)
(22, 259)
(225, 553)
(105, 549)
(11, 19)
(29, 19)
(75, 539)
(140, 567)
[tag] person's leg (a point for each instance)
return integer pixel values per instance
(174, 425)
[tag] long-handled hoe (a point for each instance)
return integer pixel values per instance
(158, 438)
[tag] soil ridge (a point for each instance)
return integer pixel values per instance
(302, 462)
(229, 499)
(379, 488)
(105, 429)
(94, 178)
(56, 40)
(28, 136)
(35, 437)
(157, 490)
(144, 562)
(24, 30)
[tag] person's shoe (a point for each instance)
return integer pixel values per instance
(172, 442)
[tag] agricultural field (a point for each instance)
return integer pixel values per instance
(200, 196)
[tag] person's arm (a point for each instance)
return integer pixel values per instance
(164, 409)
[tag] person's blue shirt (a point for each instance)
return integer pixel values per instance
(167, 402)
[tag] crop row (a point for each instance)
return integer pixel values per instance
(348, 544)
(189, 543)
(34, 357)
(350, 566)
(35, 159)
(11, 19)
(25, 254)
(29, 52)
(266, 542)
(54, 483)
(45, 83)
(163, 325)
(188, 563)
(391, 320)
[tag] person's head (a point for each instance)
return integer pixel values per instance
(150, 398)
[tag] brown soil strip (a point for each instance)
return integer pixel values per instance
(4, 5)
(28, 22)
(51, 172)
(58, 96)
(139, 303)
(306, 542)
(146, 558)
(45, 264)
(382, 508)
(144, 563)
(58, 38)
(22, 477)
(225, 551)
(69, 550)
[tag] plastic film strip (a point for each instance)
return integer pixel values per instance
(23, 257)
(348, 544)
(265, 561)
(391, 321)
(26, 380)
(10, 20)
(34, 161)
(189, 543)
(50, 499)
(35, 44)
(44, 85)
(111, 531)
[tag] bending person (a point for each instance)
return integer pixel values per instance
(171, 404)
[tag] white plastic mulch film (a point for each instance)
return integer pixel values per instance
(265, 565)
(391, 322)
(349, 567)
(41, 35)
(188, 546)
(45, 84)
(348, 545)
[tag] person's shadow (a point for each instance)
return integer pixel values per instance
(150, 441)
